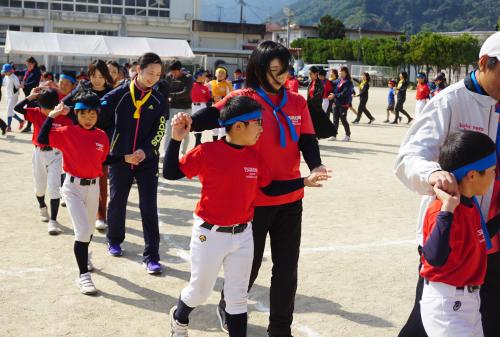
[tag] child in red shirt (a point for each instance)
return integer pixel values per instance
(47, 162)
(85, 149)
(231, 172)
(456, 238)
(423, 92)
(200, 96)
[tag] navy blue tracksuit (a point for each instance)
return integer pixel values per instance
(129, 135)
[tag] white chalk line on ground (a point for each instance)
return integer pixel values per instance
(21, 272)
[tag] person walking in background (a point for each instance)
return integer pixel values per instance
(401, 97)
(423, 93)
(31, 79)
(364, 86)
(292, 83)
(327, 89)
(342, 95)
(12, 86)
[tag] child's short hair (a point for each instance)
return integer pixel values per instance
(88, 99)
(237, 106)
(48, 99)
(464, 147)
(322, 72)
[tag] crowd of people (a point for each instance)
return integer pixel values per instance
(117, 115)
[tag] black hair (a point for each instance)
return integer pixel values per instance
(336, 73)
(313, 70)
(237, 106)
(103, 69)
(346, 70)
(43, 68)
(149, 58)
(89, 98)
(48, 99)
(404, 74)
(48, 76)
(237, 71)
(176, 65)
(367, 77)
(464, 147)
(322, 72)
(114, 64)
(260, 60)
(32, 60)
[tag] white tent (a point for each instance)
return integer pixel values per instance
(95, 46)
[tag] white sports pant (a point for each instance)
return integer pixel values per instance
(450, 312)
(82, 203)
(211, 250)
(11, 103)
(419, 106)
(168, 133)
(47, 170)
(325, 104)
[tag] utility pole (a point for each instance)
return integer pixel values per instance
(220, 9)
(242, 3)
(289, 15)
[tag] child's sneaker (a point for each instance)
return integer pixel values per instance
(177, 329)
(153, 267)
(346, 139)
(53, 227)
(332, 139)
(44, 214)
(90, 265)
(100, 225)
(84, 282)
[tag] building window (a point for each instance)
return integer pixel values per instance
(105, 9)
(42, 5)
(118, 10)
(4, 3)
(16, 3)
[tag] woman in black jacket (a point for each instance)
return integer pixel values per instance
(31, 80)
(401, 96)
(364, 86)
(341, 95)
(321, 122)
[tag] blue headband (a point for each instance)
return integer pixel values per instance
(67, 77)
(82, 106)
(479, 165)
(242, 118)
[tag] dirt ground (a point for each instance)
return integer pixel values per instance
(357, 272)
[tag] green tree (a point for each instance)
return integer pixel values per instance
(330, 28)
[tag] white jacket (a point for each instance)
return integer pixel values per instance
(11, 82)
(455, 108)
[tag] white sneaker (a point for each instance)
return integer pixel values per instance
(101, 225)
(90, 265)
(346, 139)
(84, 282)
(53, 227)
(177, 329)
(332, 139)
(44, 214)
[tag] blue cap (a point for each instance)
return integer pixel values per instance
(421, 75)
(199, 73)
(7, 67)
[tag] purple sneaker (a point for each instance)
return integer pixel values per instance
(114, 250)
(153, 267)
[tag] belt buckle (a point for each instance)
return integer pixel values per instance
(232, 229)
(472, 289)
(84, 182)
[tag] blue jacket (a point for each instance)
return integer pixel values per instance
(117, 111)
(343, 93)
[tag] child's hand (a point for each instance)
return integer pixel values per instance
(331, 96)
(450, 201)
(60, 109)
(312, 180)
(139, 155)
(180, 128)
(35, 92)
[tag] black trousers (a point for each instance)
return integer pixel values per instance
(490, 297)
(414, 326)
(120, 180)
(340, 112)
(399, 108)
(362, 109)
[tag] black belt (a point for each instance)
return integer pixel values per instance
(83, 181)
(44, 148)
(470, 289)
(197, 103)
(226, 229)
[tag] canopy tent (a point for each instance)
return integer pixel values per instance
(95, 46)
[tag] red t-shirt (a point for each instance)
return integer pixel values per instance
(423, 91)
(292, 84)
(283, 163)
(83, 150)
(328, 88)
(35, 116)
(229, 178)
(200, 93)
(466, 264)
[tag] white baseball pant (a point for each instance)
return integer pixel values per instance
(168, 131)
(11, 103)
(211, 250)
(419, 106)
(47, 169)
(450, 312)
(82, 203)
(325, 104)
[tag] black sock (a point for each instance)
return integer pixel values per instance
(197, 136)
(81, 250)
(182, 312)
(63, 176)
(41, 201)
(237, 324)
(54, 208)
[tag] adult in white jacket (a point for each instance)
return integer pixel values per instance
(470, 104)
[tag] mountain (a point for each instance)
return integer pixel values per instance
(401, 15)
(255, 11)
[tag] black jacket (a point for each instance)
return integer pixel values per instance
(180, 91)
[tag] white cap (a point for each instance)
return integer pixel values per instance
(491, 46)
